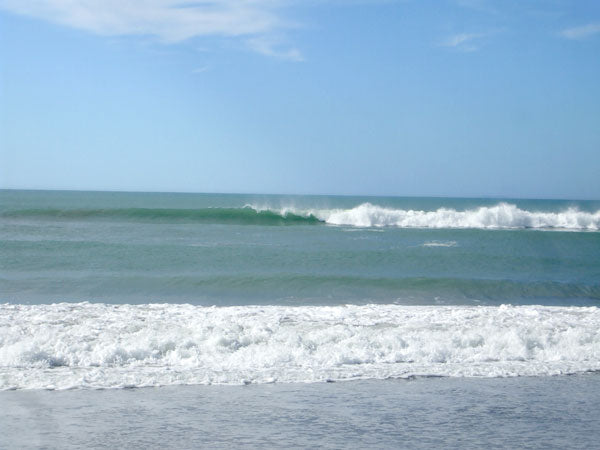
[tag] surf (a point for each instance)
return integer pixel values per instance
(84, 345)
(500, 216)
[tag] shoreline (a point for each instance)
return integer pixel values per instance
(557, 411)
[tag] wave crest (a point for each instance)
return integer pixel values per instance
(501, 216)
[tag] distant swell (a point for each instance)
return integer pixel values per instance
(242, 216)
(500, 216)
(106, 346)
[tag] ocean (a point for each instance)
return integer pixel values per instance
(265, 301)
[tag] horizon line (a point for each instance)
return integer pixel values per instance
(475, 197)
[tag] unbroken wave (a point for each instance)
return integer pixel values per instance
(86, 345)
(500, 216)
(242, 216)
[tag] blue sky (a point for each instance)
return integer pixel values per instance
(450, 98)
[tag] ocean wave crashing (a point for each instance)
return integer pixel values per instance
(63, 346)
(500, 216)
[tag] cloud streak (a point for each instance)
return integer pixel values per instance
(463, 41)
(271, 47)
(581, 32)
(169, 21)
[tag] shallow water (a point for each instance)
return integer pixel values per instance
(530, 412)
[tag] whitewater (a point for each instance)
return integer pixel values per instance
(500, 216)
(84, 345)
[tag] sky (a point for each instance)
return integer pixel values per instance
(464, 98)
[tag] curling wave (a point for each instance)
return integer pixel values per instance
(86, 345)
(242, 216)
(500, 216)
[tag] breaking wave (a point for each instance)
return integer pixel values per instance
(85, 345)
(500, 216)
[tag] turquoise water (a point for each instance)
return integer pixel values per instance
(207, 249)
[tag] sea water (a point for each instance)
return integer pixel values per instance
(126, 290)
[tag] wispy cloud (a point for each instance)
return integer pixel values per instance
(169, 21)
(581, 32)
(267, 45)
(466, 42)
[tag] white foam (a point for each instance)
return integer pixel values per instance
(439, 244)
(503, 215)
(105, 346)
